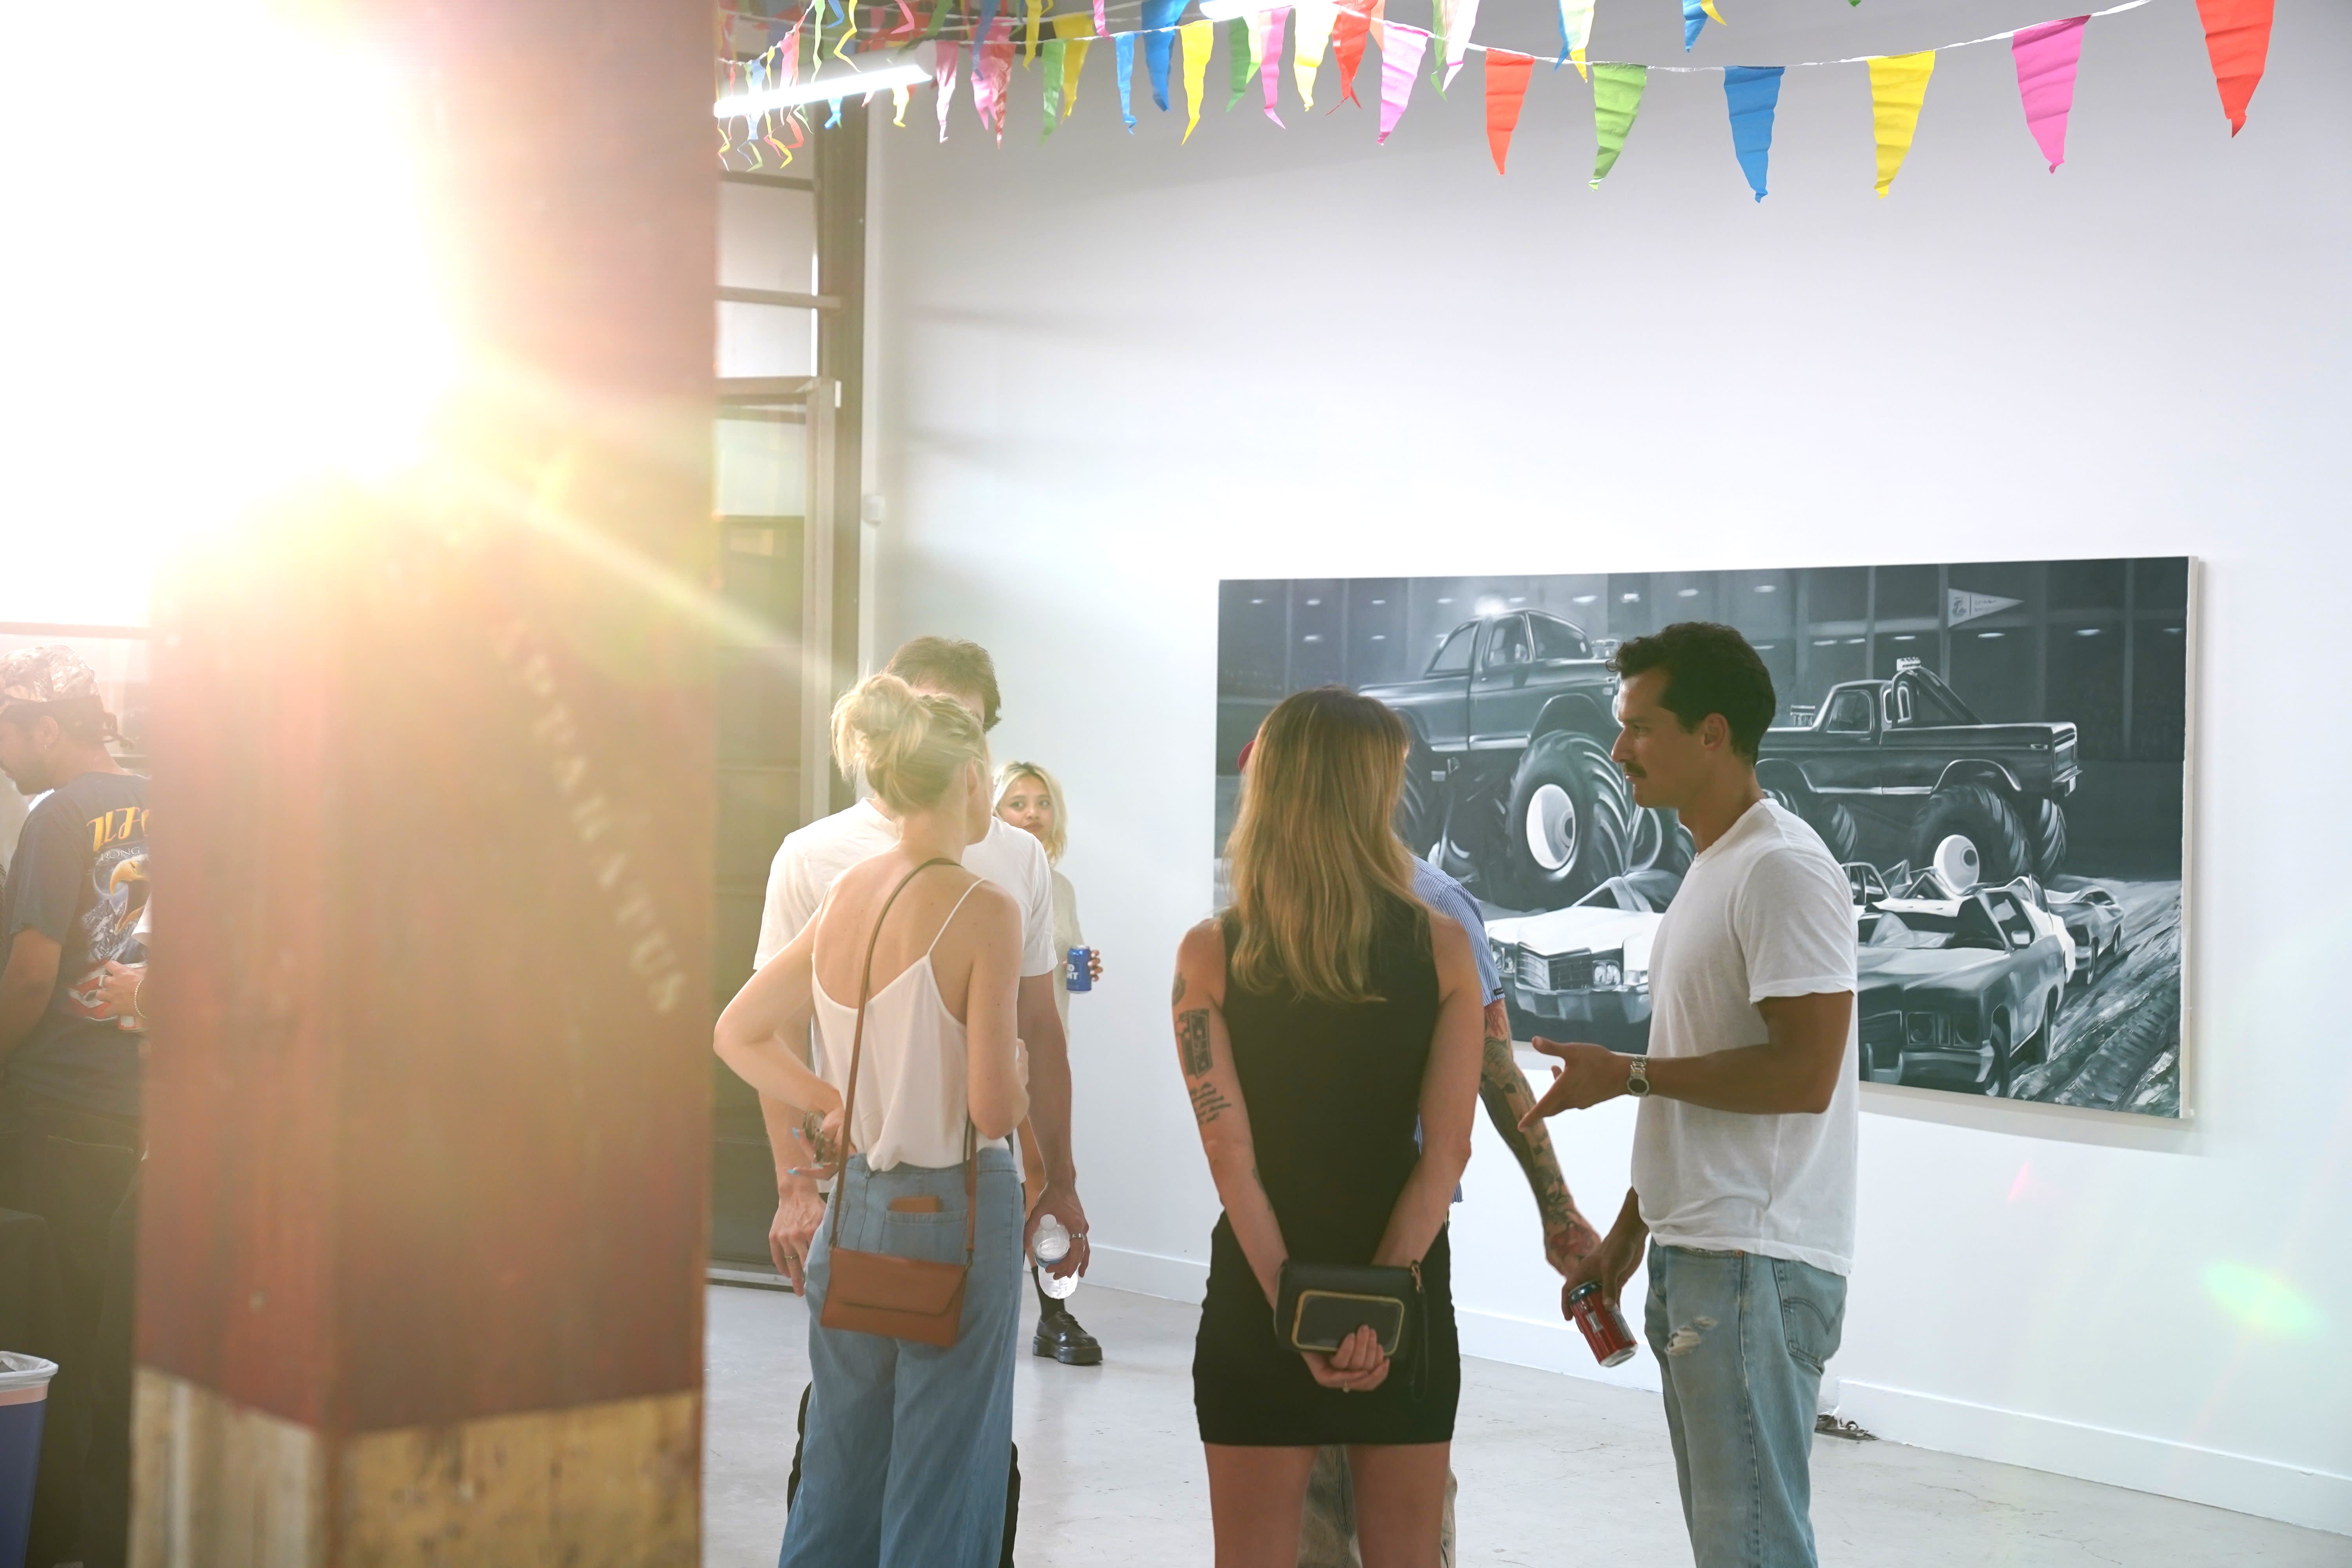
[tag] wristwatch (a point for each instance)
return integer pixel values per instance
(1637, 1079)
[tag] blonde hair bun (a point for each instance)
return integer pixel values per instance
(908, 745)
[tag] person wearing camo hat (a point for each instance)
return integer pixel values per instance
(69, 1069)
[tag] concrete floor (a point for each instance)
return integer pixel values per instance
(1553, 1470)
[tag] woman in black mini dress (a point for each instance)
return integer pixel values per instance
(1329, 1033)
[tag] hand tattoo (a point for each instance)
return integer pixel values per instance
(1192, 1040)
(1208, 1104)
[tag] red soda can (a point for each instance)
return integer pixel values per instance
(1603, 1325)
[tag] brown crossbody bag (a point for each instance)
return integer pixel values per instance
(878, 1292)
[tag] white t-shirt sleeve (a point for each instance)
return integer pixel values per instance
(793, 899)
(1037, 954)
(1794, 917)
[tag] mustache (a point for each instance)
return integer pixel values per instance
(1631, 771)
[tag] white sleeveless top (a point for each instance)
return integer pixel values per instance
(912, 1095)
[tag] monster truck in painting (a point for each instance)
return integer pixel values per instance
(1969, 995)
(1907, 755)
(1509, 782)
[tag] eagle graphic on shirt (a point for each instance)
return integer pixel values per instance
(109, 927)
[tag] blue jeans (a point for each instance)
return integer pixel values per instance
(908, 1445)
(1740, 1339)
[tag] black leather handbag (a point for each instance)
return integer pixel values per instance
(1317, 1305)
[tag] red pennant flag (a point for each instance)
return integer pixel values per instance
(1507, 84)
(2237, 37)
(1353, 26)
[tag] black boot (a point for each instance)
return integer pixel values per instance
(1059, 1335)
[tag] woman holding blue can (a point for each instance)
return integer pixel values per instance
(1030, 798)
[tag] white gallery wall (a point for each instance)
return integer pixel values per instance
(1111, 371)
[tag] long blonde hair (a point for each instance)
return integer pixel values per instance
(909, 746)
(1315, 855)
(1057, 836)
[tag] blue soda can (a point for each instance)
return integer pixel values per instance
(1078, 970)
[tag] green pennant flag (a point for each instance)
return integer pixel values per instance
(1616, 99)
(1237, 44)
(1054, 49)
(938, 17)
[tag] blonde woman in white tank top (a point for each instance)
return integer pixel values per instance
(907, 1445)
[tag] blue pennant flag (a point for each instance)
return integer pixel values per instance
(1160, 24)
(1694, 18)
(1752, 92)
(1126, 42)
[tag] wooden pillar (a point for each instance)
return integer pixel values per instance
(423, 1220)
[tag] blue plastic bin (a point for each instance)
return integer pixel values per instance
(24, 1401)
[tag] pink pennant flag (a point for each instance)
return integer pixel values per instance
(992, 68)
(1102, 28)
(943, 76)
(1270, 72)
(1400, 63)
(2046, 58)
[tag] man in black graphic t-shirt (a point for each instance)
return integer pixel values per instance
(70, 1072)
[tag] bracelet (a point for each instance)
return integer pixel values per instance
(139, 989)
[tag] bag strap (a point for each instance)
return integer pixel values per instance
(857, 1055)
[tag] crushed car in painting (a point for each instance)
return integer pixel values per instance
(1995, 751)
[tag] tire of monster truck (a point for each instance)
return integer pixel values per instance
(2045, 835)
(1980, 814)
(1660, 842)
(1421, 807)
(1830, 818)
(1569, 821)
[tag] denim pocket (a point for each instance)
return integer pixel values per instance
(1813, 1310)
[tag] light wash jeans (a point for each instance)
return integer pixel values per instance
(908, 1445)
(1740, 1339)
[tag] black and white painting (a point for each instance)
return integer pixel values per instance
(1996, 751)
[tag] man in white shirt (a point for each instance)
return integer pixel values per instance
(807, 864)
(1744, 1150)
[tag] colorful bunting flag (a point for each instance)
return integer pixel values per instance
(1037, 15)
(1507, 85)
(1055, 50)
(944, 77)
(2238, 42)
(1271, 71)
(1616, 99)
(901, 95)
(1353, 26)
(1124, 43)
(1072, 30)
(979, 34)
(1696, 14)
(1575, 33)
(1238, 58)
(1400, 63)
(1455, 19)
(1752, 92)
(2046, 58)
(1159, 20)
(1899, 86)
(1314, 18)
(1102, 22)
(1199, 38)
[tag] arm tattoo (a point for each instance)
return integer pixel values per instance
(1503, 1090)
(1208, 1104)
(1178, 999)
(1192, 1040)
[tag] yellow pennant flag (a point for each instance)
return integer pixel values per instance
(1899, 86)
(1078, 29)
(1036, 11)
(1314, 19)
(1197, 37)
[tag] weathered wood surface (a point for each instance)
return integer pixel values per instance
(428, 1116)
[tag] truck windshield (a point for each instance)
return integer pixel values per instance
(1453, 658)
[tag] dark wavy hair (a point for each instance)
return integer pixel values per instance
(1709, 668)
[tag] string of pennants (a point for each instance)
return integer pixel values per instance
(2237, 39)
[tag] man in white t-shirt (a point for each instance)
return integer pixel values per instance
(1744, 1149)
(807, 864)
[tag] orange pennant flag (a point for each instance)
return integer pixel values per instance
(1507, 84)
(1353, 26)
(2238, 40)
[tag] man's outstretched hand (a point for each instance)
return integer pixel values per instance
(1586, 1076)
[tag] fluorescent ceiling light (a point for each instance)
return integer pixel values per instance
(818, 90)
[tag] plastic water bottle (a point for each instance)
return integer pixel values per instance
(1050, 1245)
